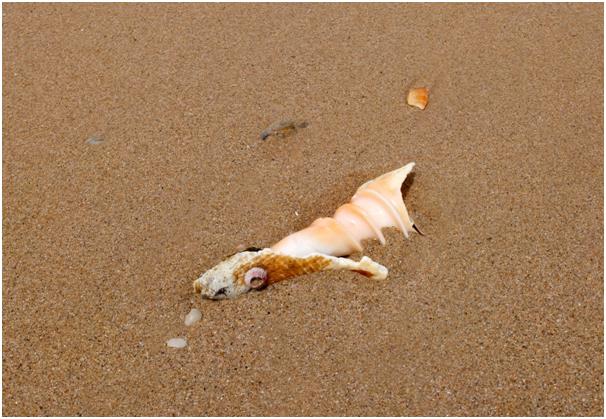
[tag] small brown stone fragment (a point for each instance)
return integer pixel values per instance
(283, 128)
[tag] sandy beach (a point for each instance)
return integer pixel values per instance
(497, 310)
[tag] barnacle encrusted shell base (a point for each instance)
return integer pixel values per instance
(280, 267)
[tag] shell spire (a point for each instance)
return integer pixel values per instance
(376, 204)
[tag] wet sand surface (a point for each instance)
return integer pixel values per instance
(498, 310)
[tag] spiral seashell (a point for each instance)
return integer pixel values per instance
(256, 278)
(375, 205)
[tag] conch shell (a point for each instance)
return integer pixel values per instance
(375, 205)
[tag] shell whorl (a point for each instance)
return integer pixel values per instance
(376, 204)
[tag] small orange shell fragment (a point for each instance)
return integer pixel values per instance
(418, 97)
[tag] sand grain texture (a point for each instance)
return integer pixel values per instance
(497, 311)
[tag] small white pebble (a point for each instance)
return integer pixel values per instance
(176, 343)
(192, 317)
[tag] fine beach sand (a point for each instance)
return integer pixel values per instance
(498, 310)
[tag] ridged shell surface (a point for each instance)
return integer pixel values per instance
(375, 205)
